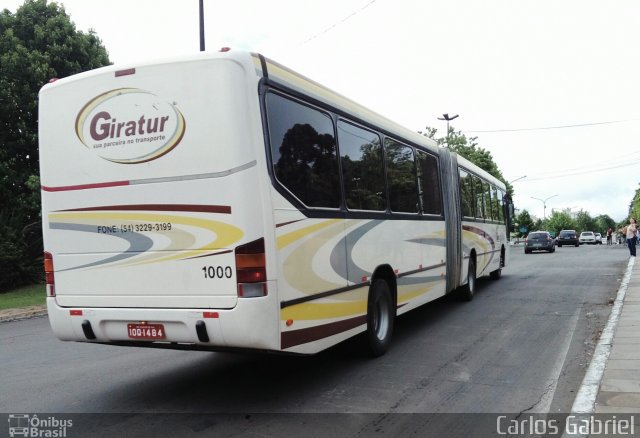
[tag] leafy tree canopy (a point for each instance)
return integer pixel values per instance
(559, 220)
(469, 149)
(602, 223)
(524, 223)
(634, 206)
(37, 43)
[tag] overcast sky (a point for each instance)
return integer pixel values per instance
(551, 88)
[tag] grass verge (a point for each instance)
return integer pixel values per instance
(33, 295)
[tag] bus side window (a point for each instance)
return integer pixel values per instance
(401, 175)
(497, 203)
(362, 168)
(303, 151)
(466, 195)
(479, 197)
(488, 207)
(429, 183)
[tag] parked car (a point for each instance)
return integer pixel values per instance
(598, 239)
(587, 237)
(567, 237)
(539, 241)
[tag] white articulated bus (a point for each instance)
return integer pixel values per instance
(223, 201)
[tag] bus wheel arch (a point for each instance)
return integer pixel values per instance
(469, 289)
(381, 310)
(495, 275)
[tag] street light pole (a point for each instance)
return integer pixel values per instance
(517, 179)
(201, 25)
(544, 204)
(446, 117)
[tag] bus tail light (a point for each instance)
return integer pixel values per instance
(251, 272)
(48, 274)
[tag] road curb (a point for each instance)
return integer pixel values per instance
(8, 315)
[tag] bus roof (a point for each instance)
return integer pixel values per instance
(297, 82)
(463, 162)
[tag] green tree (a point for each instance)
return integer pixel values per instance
(539, 224)
(559, 220)
(523, 221)
(603, 223)
(634, 206)
(584, 222)
(37, 43)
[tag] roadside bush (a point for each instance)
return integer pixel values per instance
(37, 42)
(20, 256)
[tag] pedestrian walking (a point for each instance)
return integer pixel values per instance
(609, 236)
(630, 231)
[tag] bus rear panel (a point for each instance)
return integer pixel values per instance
(150, 232)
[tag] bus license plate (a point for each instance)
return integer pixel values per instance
(146, 331)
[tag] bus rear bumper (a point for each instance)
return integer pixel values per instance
(252, 324)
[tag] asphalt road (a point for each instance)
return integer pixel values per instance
(521, 346)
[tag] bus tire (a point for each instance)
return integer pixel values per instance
(468, 290)
(380, 316)
(495, 275)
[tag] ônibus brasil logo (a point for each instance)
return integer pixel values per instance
(129, 126)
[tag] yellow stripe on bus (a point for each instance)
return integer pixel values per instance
(316, 311)
(289, 238)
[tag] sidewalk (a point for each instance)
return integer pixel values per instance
(619, 390)
(22, 313)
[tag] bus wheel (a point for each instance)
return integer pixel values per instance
(380, 315)
(495, 275)
(469, 289)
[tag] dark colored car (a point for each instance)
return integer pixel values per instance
(539, 241)
(568, 237)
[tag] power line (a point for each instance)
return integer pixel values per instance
(543, 128)
(336, 24)
(582, 172)
(620, 160)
